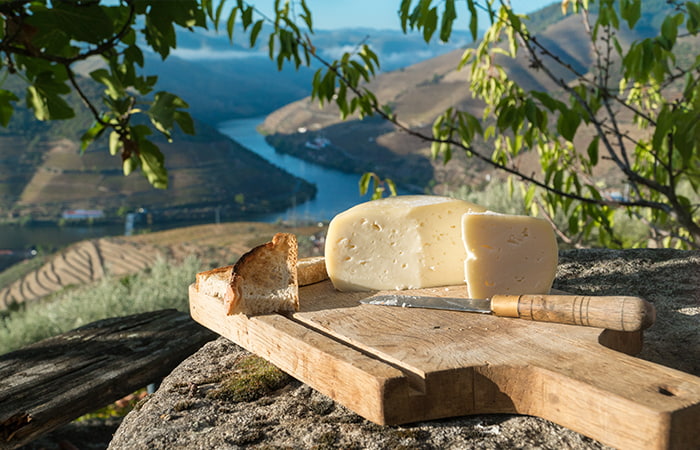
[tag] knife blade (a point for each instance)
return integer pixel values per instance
(621, 313)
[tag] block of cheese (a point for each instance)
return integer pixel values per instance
(401, 242)
(508, 254)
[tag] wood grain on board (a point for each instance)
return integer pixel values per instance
(400, 365)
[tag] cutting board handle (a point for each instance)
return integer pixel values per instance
(623, 401)
(621, 313)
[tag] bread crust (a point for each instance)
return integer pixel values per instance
(202, 277)
(311, 270)
(256, 267)
(272, 269)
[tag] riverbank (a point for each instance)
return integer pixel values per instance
(238, 208)
(207, 173)
(413, 173)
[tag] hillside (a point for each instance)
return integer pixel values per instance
(51, 176)
(91, 260)
(222, 80)
(417, 95)
(43, 174)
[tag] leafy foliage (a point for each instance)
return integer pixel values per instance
(656, 158)
(43, 41)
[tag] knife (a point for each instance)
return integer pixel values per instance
(611, 312)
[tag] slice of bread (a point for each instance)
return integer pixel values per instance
(215, 282)
(264, 280)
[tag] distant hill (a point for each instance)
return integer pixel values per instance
(43, 174)
(200, 180)
(223, 81)
(420, 92)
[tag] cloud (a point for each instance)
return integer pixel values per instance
(208, 53)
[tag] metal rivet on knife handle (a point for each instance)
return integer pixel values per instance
(611, 312)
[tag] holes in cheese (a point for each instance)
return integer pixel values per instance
(508, 254)
(403, 242)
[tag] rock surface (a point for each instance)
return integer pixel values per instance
(180, 414)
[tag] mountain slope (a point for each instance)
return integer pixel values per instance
(199, 167)
(417, 95)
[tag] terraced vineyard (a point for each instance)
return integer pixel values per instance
(88, 261)
(84, 262)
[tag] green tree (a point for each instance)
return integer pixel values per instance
(658, 159)
(655, 153)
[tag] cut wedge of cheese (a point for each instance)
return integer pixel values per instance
(401, 242)
(508, 254)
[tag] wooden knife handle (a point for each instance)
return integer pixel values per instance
(611, 312)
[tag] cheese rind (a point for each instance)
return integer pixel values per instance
(508, 254)
(401, 242)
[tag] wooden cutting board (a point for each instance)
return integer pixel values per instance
(399, 365)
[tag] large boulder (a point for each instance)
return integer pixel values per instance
(182, 413)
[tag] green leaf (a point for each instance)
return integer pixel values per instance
(115, 143)
(568, 123)
(129, 165)
(255, 31)
(47, 105)
(6, 106)
(473, 20)
(152, 164)
(593, 150)
(669, 31)
(231, 23)
(392, 186)
(161, 16)
(370, 58)
(185, 122)
(430, 24)
(404, 9)
(114, 88)
(247, 17)
(134, 55)
(558, 180)
(160, 35)
(448, 17)
(574, 224)
(664, 123)
(363, 184)
(85, 23)
(163, 112)
(693, 21)
(217, 15)
(92, 133)
(631, 11)
(529, 196)
(306, 16)
(548, 101)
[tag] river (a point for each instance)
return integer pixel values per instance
(336, 192)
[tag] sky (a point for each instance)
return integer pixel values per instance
(379, 14)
